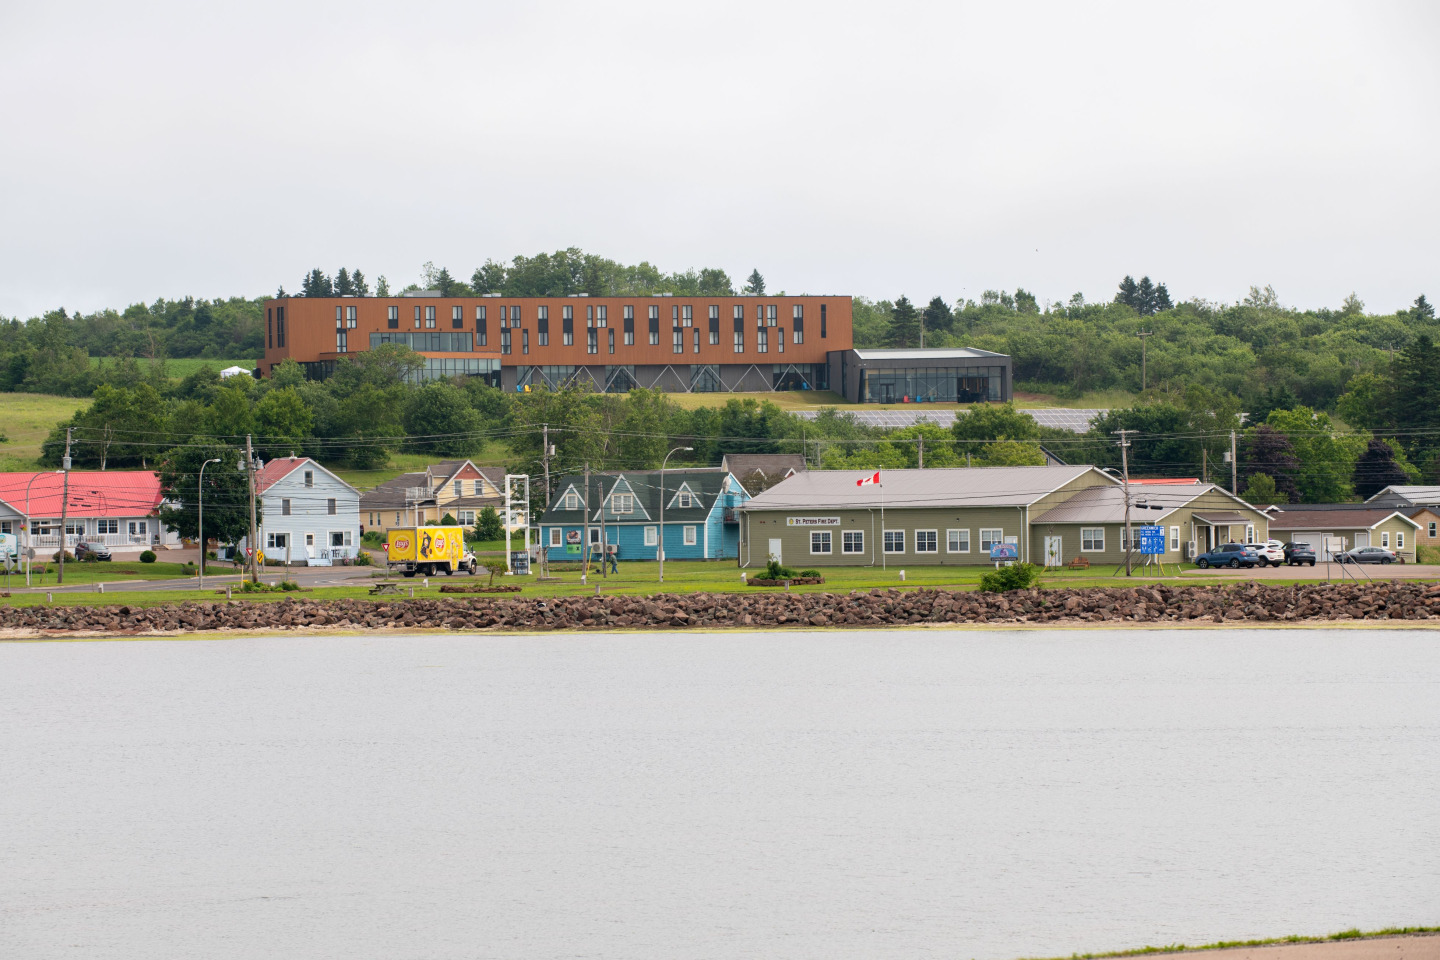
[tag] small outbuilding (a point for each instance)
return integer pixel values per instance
(1357, 525)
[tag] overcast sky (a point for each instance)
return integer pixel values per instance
(156, 149)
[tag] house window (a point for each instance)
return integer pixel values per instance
(285, 508)
(466, 517)
(101, 526)
(572, 501)
(1400, 540)
(957, 541)
(417, 318)
(350, 317)
(820, 541)
(280, 327)
(780, 339)
(652, 536)
(927, 541)
(269, 331)
(797, 323)
(678, 341)
(697, 341)
(629, 326)
(555, 536)
(622, 503)
(592, 340)
(430, 318)
(75, 528)
(567, 326)
(1092, 539)
(309, 478)
(276, 541)
(683, 500)
(392, 318)
(330, 506)
(524, 341)
(714, 325)
(481, 328)
(342, 341)
(654, 326)
(1384, 539)
(1431, 531)
(989, 538)
(338, 538)
(1174, 539)
(770, 315)
(1250, 533)
(475, 488)
(852, 541)
(457, 317)
(894, 541)
(689, 536)
(309, 539)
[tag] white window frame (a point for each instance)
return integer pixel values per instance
(1432, 529)
(1400, 540)
(556, 534)
(957, 540)
(824, 540)
(989, 536)
(572, 501)
(309, 478)
(1385, 539)
(1249, 533)
(284, 506)
(1087, 535)
(622, 503)
(931, 535)
(309, 539)
(690, 537)
(276, 541)
(345, 539)
(466, 517)
(652, 536)
(855, 536)
(683, 500)
(1174, 539)
(103, 525)
(885, 541)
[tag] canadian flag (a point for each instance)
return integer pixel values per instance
(874, 479)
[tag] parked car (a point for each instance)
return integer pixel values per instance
(87, 551)
(1229, 555)
(1271, 551)
(1368, 555)
(1298, 553)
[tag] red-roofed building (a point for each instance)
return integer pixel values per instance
(114, 507)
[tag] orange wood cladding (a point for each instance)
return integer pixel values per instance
(310, 328)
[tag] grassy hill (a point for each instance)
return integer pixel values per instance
(29, 418)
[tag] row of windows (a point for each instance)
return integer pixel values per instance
(688, 534)
(625, 502)
(925, 541)
(280, 541)
(330, 507)
(275, 328)
(704, 377)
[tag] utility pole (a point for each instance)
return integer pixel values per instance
(254, 547)
(921, 441)
(1144, 336)
(585, 544)
(1204, 463)
(600, 498)
(544, 459)
(64, 505)
(1125, 469)
(1234, 473)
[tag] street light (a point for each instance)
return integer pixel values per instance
(200, 491)
(662, 509)
(30, 527)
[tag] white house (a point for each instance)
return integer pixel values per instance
(308, 515)
(116, 508)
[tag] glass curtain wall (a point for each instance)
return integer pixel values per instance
(932, 385)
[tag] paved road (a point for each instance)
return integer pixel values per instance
(1334, 571)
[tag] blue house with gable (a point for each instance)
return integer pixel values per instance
(700, 519)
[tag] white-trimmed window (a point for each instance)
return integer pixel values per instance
(309, 539)
(572, 501)
(1432, 530)
(652, 536)
(927, 541)
(1175, 539)
(689, 536)
(467, 517)
(622, 503)
(331, 506)
(285, 507)
(1400, 540)
(852, 541)
(275, 541)
(1250, 533)
(989, 538)
(820, 541)
(957, 541)
(309, 478)
(339, 538)
(683, 500)
(1092, 539)
(101, 526)
(894, 541)
(1385, 539)
(555, 535)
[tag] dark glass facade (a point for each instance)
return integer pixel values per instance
(968, 384)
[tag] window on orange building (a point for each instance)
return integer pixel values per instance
(392, 318)
(654, 325)
(481, 327)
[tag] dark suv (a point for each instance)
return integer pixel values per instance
(1298, 553)
(1229, 555)
(91, 551)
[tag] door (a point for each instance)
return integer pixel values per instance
(1054, 552)
(775, 550)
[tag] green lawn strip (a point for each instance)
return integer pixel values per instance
(1352, 934)
(77, 572)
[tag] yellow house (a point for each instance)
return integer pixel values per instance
(457, 488)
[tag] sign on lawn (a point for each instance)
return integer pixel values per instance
(1151, 540)
(520, 562)
(1004, 551)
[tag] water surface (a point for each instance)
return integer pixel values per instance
(826, 795)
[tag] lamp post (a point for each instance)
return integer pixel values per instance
(662, 509)
(200, 492)
(30, 526)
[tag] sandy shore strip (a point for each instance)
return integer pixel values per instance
(1408, 946)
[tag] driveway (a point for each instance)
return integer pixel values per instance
(1322, 571)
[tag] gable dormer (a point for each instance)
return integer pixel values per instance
(622, 503)
(684, 498)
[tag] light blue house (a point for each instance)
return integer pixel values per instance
(308, 515)
(700, 520)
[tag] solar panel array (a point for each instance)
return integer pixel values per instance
(1076, 421)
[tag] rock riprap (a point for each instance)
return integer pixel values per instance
(1253, 603)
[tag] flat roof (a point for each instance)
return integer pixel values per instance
(955, 353)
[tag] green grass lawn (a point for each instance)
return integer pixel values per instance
(45, 574)
(28, 420)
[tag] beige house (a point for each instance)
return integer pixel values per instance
(1356, 526)
(1429, 520)
(1195, 517)
(457, 488)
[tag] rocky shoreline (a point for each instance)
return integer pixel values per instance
(1158, 604)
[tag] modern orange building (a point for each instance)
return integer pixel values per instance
(675, 343)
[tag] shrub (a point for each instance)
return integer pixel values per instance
(147, 556)
(69, 557)
(363, 559)
(773, 571)
(372, 538)
(488, 526)
(1018, 576)
(90, 558)
(448, 520)
(810, 574)
(289, 586)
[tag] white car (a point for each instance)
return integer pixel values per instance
(1272, 552)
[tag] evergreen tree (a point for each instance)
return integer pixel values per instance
(904, 324)
(1422, 310)
(343, 287)
(445, 283)
(1376, 469)
(1144, 297)
(1129, 291)
(937, 315)
(755, 284)
(382, 287)
(317, 284)
(357, 279)
(1162, 299)
(281, 294)
(1261, 491)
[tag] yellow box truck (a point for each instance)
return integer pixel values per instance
(428, 551)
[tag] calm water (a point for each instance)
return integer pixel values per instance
(836, 795)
